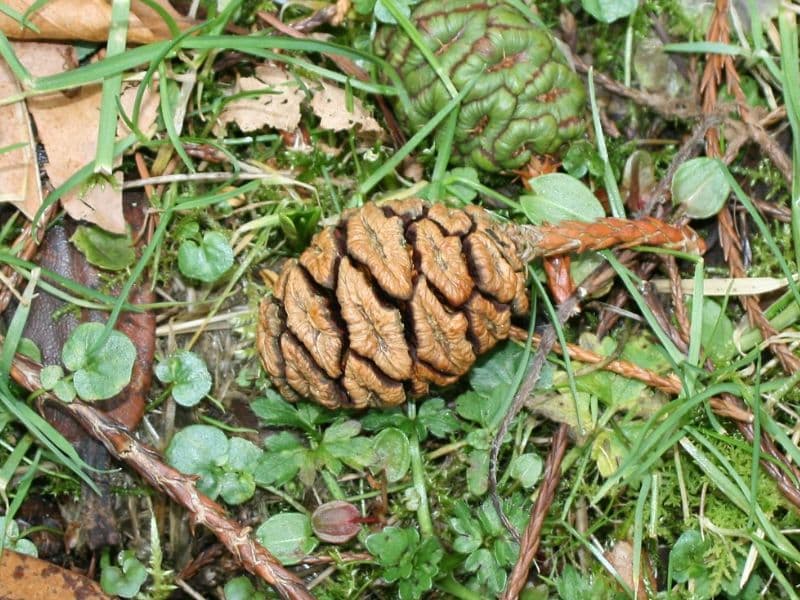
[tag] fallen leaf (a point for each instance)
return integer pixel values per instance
(28, 578)
(330, 105)
(278, 107)
(621, 558)
(88, 20)
(19, 172)
(67, 126)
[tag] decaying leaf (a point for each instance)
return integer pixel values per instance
(281, 98)
(27, 578)
(87, 20)
(277, 107)
(19, 174)
(67, 126)
(330, 105)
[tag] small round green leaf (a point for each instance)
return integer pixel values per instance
(98, 373)
(200, 450)
(207, 261)
(559, 197)
(126, 580)
(50, 375)
(288, 536)
(687, 557)
(241, 588)
(608, 11)
(527, 468)
(103, 249)
(188, 375)
(700, 186)
(393, 454)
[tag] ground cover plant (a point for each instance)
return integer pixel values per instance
(276, 320)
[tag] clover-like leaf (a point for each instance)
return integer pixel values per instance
(103, 249)
(188, 375)
(200, 450)
(687, 556)
(207, 261)
(700, 186)
(124, 580)
(99, 372)
(288, 536)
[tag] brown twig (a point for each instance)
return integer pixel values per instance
(529, 543)
(178, 486)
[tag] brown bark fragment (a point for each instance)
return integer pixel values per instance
(442, 262)
(440, 333)
(305, 377)
(378, 242)
(493, 274)
(489, 322)
(367, 386)
(308, 315)
(27, 578)
(375, 331)
(321, 256)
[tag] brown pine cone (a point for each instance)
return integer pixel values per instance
(398, 297)
(392, 299)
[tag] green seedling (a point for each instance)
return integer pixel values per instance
(187, 375)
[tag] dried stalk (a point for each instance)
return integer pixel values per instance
(181, 488)
(532, 536)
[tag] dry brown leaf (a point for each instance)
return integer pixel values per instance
(19, 174)
(67, 126)
(88, 20)
(28, 578)
(278, 109)
(330, 105)
(621, 558)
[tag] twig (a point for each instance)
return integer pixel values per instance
(546, 343)
(178, 486)
(529, 543)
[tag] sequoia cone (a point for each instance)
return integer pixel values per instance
(525, 99)
(398, 297)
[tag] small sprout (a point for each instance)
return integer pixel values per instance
(126, 579)
(288, 536)
(99, 373)
(208, 260)
(336, 522)
(188, 375)
(687, 557)
(200, 450)
(103, 249)
(700, 186)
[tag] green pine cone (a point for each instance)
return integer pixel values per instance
(526, 101)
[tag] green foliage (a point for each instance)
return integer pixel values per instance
(207, 259)
(412, 563)
(225, 466)
(99, 372)
(288, 536)
(490, 551)
(10, 538)
(188, 375)
(558, 197)
(103, 249)
(609, 11)
(124, 580)
(700, 187)
(241, 588)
